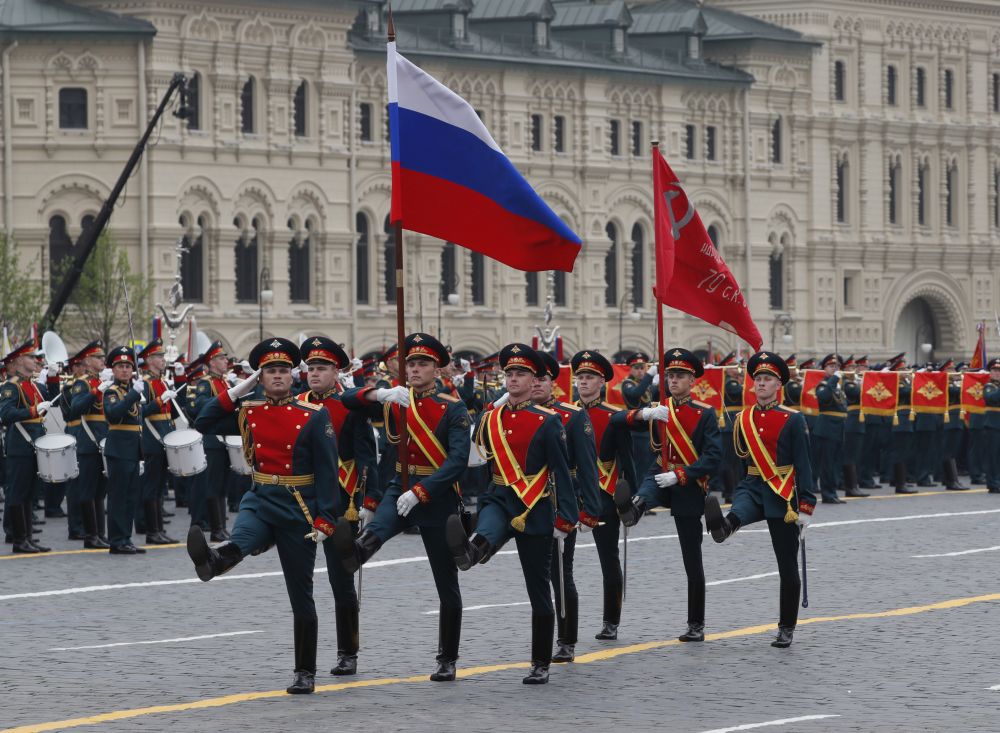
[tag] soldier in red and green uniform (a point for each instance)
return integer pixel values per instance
(693, 452)
(774, 442)
(357, 470)
(437, 453)
(531, 497)
(293, 502)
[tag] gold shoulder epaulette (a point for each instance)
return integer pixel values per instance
(702, 405)
(448, 396)
(613, 408)
(787, 408)
(570, 406)
(14, 379)
(252, 403)
(546, 410)
(308, 405)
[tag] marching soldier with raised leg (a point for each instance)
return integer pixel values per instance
(531, 496)
(437, 455)
(292, 504)
(357, 469)
(778, 488)
(694, 452)
(582, 454)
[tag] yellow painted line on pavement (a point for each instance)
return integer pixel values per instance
(57, 553)
(599, 656)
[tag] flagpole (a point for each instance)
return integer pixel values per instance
(659, 338)
(404, 432)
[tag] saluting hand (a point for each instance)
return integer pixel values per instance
(243, 388)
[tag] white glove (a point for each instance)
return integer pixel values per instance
(178, 369)
(665, 480)
(103, 386)
(660, 412)
(399, 395)
(804, 521)
(502, 400)
(296, 371)
(584, 528)
(139, 386)
(40, 380)
(656, 380)
(356, 364)
(232, 378)
(106, 375)
(42, 407)
(316, 535)
(168, 394)
(406, 502)
(652, 371)
(559, 534)
(466, 366)
(458, 380)
(365, 515)
(53, 370)
(243, 388)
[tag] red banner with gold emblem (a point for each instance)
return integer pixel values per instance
(879, 393)
(930, 393)
(613, 387)
(973, 384)
(750, 397)
(562, 390)
(811, 378)
(708, 388)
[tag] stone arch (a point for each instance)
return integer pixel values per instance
(202, 27)
(255, 197)
(200, 193)
(308, 195)
(76, 193)
(565, 199)
(309, 36)
(944, 298)
(256, 31)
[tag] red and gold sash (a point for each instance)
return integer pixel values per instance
(347, 472)
(423, 435)
(607, 475)
(529, 489)
(783, 486)
(681, 441)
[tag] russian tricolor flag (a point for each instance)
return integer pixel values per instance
(452, 181)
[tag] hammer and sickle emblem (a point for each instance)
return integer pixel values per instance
(677, 225)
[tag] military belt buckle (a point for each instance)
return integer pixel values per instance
(412, 469)
(274, 479)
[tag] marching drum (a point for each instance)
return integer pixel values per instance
(185, 452)
(56, 456)
(237, 461)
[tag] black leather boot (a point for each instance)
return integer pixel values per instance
(632, 512)
(851, 482)
(20, 538)
(720, 527)
(306, 633)
(92, 540)
(542, 627)
(353, 553)
(465, 551)
(218, 532)
(784, 638)
(449, 634)
(695, 632)
(210, 562)
(950, 474)
(347, 641)
(160, 521)
(899, 479)
(31, 540)
(150, 523)
(612, 613)
(567, 629)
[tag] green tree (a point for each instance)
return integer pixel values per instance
(22, 299)
(98, 300)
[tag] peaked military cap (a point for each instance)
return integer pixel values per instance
(590, 361)
(320, 349)
(767, 362)
(94, 348)
(214, 349)
(521, 356)
(274, 352)
(119, 355)
(552, 367)
(153, 347)
(638, 357)
(682, 360)
(424, 346)
(831, 358)
(808, 364)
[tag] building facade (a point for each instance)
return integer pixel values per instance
(821, 193)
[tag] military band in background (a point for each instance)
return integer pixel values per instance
(307, 445)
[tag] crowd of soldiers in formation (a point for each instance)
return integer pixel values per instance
(304, 444)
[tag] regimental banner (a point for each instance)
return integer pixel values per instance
(750, 397)
(879, 393)
(613, 388)
(930, 393)
(973, 384)
(811, 378)
(708, 388)
(562, 390)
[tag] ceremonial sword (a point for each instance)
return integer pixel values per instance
(131, 335)
(361, 526)
(562, 580)
(805, 572)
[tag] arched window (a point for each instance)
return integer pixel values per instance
(60, 250)
(841, 208)
(246, 261)
(389, 250)
(478, 263)
(449, 274)
(894, 191)
(299, 109)
(611, 268)
(638, 267)
(776, 141)
(298, 263)
(776, 274)
(194, 101)
(192, 259)
(247, 102)
(362, 259)
(713, 234)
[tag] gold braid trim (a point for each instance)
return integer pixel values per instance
(743, 452)
(241, 421)
(386, 414)
(480, 440)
